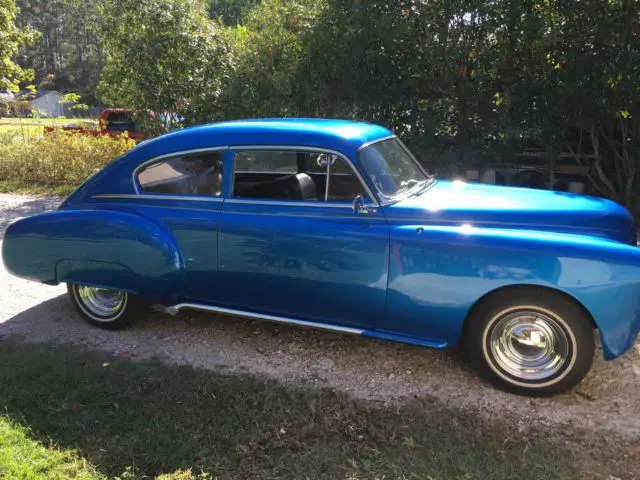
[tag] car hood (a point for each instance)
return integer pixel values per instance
(515, 208)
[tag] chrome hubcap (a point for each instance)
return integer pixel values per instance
(100, 301)
(529, 345)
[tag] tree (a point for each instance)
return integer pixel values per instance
(163, 56)
(464, 79)
(68, 55)
(11, 38)
(263, 74)
(600, 79)
(231, 12)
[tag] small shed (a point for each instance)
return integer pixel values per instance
(43, 102)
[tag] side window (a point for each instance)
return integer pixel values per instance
(339, 183)
(193, 174)
(264, 162)
(294, 175)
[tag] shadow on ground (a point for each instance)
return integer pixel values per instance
(120, 412)
(123, 409)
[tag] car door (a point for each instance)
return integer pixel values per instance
(290, 244)
(183, 192)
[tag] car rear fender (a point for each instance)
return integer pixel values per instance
(104, 248)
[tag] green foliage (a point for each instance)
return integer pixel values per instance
(599, 82)
(68, 54)
(60, 159)
(11, 38)
(231, 12)
(481, 78)
(264, 75)
(74, 100)
(22, 457)
(164, 56)
(458, 80)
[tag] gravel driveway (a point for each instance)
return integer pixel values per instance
(607, 402)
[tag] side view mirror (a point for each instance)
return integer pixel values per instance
(324, 160)
(359, 208)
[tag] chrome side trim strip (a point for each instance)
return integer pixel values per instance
(271, 318)
(193, 198)
(292, 203)
(365, 218)
(411, 222)
(168, 155)
(302, 148)
(150, 196)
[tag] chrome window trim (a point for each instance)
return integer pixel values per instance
(386, 203)
(291, 203)
(269, 172)
(281, 214)
(164, 156)
(373, 142)
(301, 148)
(289, 173)
(159, 196)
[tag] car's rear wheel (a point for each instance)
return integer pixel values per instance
(530, 342)
(101, 307)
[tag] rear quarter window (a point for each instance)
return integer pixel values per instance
(195, 174)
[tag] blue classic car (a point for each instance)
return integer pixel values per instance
(335, 225)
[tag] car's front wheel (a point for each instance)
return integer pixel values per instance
(531, 342)
(101, 307)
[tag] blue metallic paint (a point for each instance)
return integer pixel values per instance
(105, 248)
(410, 272)
(193, 227)
(437, 273)
(458, 203)
(319, 263)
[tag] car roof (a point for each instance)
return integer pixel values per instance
(341, 135)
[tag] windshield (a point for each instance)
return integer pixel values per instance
(392, 169)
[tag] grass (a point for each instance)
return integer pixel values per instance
(44, 121)
(22, 457)
(28, 130)
(19, 187)
(38, 121)
(34, 126)
(142, 419)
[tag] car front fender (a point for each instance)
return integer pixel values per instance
(437, 274)
(101, 248)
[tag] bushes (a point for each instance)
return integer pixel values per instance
(57, 162)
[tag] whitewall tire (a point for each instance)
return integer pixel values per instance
(103, 308)
(530, 341)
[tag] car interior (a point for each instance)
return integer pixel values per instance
(257, 176)
(270, 175)
(199, 174)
